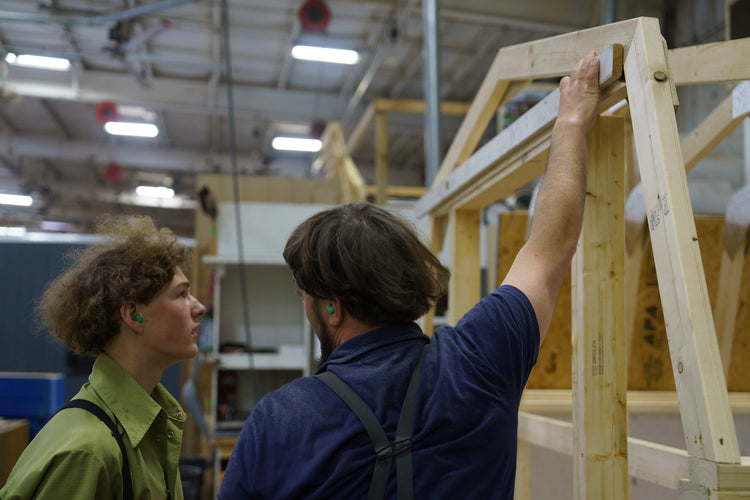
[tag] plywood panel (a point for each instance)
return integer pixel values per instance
(649, 366)
(552, 370)
(739, 368)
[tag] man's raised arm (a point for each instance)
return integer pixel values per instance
(540, 266)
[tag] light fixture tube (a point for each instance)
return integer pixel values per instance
(296, 144)
(132, 129)
(154, 192)
(41, 62)
(323, 54)
(17, 231)
(15, 199)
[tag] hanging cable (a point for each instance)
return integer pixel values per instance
(236, 188)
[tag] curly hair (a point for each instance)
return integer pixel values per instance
(370, 259)
(81, 308)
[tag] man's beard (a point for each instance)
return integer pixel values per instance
(326, 342)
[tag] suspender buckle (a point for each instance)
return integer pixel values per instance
(394, 449)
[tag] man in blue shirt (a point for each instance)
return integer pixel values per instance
(364, 278)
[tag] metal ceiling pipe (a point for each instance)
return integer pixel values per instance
(609, 11)
(401, 20)
(93, 20)
(432, 145)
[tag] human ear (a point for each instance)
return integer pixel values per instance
(335, 311)
(131, 317)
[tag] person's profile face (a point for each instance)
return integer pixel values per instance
(171, 321)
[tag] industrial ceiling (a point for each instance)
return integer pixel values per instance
(166, 61)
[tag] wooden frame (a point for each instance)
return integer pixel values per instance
(378, 111)
(335, 159)
(710, 467)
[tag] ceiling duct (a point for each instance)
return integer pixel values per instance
(92, 20)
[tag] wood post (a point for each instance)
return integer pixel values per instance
(463, 235)
(381, 158)
(701, 387)
(600, 467)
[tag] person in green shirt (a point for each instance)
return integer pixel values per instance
(127, 301)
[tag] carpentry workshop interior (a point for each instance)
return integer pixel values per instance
(232, 121)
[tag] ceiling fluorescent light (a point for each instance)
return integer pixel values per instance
(323, 54)
(15, 199)
(18, 231)
(50, 225)
(41, 62)
(132, 129)
(296, 144)
(154, 192)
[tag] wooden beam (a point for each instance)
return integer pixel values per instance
(416, 106)
(464, 286)
(638, 402)
(353, 183)
(381, 158)
(398, 191)
(657, 463)
(514, 66)
(359, 130)
(555, 56)
(436, 229)
(721, 477)
(492, 251)
(335, 160)
(523, 478)
(701, 387)
(490, 96)
(549, 433)
(519, 153)
(730, 275)
(717, 125)
(600, 466)
(711, 63)
(457, 157)
(690, 491)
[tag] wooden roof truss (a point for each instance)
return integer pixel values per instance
(710, 466)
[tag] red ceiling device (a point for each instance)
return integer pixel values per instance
(106, 112)
(113, 173)
(314, 15)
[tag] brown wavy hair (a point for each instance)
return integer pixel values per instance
(81, 308)
(370, 259)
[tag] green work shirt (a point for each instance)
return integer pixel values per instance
(75, 456)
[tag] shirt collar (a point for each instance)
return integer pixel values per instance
(373, 340)
(133, 407)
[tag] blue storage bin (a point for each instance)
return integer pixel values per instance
(31, 395)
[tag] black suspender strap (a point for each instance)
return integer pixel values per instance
(385, 451)
(127, 483)
(404, 430)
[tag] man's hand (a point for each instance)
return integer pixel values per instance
(579, 93)
(540, 266)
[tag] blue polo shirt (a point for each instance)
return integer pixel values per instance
(302, 441)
